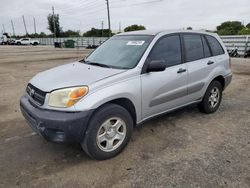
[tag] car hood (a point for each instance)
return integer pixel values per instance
(73, 74)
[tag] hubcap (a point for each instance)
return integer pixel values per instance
(214, 97)
(111, 134)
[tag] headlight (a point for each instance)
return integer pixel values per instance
(64, 98)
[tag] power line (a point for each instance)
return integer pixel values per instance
(85, 12)
(77, 6)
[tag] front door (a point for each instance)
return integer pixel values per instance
(162, 91)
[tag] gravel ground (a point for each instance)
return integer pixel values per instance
(182, 149)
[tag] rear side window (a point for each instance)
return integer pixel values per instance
(193, 47)
(215, 46)
(167, 49)
(207, 52)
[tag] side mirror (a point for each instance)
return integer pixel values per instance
(156, 66)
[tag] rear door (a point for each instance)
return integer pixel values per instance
(164, 90)
(200, 63)
(220, 59)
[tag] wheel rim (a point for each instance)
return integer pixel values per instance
(214, 97)
(111, 134)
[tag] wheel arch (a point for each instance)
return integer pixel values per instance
(125, 103)
(220, 79)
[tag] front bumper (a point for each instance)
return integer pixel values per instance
(55, 126)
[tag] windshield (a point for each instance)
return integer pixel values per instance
(120, 52)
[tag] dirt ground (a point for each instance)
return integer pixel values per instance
(182, 149)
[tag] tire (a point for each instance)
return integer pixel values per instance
(100, 141)
(18, 43)
(211, 102)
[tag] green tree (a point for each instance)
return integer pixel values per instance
(244, 31)
(70, 33)
(97, 33)
(189, 28)
(230, 28)
(42, 35)
(51, 19)
(248, 25)
(134, 28)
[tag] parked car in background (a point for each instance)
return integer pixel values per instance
(27, 41)
(4, 40)
(11, 41)
(247, 53)
(129, 79)
(233, 52)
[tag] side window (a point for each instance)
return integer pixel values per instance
(207, 52)
(215, 46)
(193, 47)
(167, 49)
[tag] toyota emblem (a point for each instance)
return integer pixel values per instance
(32, 92)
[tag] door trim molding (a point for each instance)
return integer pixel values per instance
(161, 99)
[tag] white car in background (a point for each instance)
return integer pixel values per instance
(27, 41)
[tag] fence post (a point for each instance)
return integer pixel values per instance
(247, 41)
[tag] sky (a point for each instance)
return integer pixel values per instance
(153, 14)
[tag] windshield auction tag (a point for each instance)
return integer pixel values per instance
(135, 43)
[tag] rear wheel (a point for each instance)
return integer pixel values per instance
(109, 131)
(212, 98)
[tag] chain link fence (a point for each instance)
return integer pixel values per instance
(79, 41)
(241, 42)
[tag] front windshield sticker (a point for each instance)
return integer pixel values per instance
(135, 43)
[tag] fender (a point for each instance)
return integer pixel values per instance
(129, 89)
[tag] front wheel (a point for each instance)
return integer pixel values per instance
(212, 98)
(109, 131)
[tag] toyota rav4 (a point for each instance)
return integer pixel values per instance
(129, 79)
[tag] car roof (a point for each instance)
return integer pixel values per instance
(163, 32)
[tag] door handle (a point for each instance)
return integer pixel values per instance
(181, 70)
(210, 63)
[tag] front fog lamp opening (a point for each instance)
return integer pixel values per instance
(64, 98)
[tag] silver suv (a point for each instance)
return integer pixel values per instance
(129, 79)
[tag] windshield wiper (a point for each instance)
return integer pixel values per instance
(100, 65)
(97, 64)
(82, 61)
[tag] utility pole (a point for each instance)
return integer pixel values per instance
(25, 26)
(13, 28)
(108, 18)
(102, 28)
(120, 27)
(54, 21)
(3, 28)
(35, 25)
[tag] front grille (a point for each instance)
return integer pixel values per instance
(36, 94)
